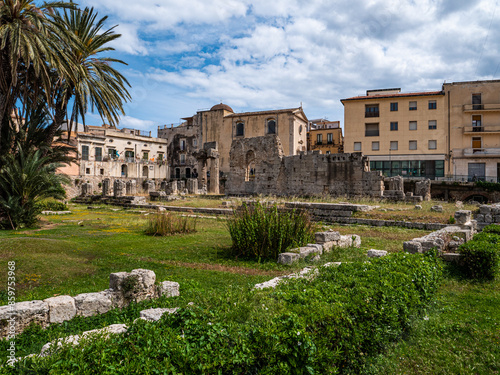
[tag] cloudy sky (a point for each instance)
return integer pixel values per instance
(187, 55)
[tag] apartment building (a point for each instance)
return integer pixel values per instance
(325, 136)
(402, 133)
(473, 116)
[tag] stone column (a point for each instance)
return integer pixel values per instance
(202, 173)
(131, 187)
(118, 188)
(105, 187)
(214, 175)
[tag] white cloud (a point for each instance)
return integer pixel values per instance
(129, 42)
(135, 123)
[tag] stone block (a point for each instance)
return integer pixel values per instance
(418, 207)
(24, 313)
(452, 257)
(485, 209)
(288, 258)
(412, 247)
(317, 246)
(488, 218)
(322, 237)
(61, 308)
(328, 246)
(463, 216)
(349, 240)
(480, 218)
(437, 208)
(168, 289)
(89, 304)
(306, 251)
(372, 253)
(153, 315)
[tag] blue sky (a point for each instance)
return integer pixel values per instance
(186, 55)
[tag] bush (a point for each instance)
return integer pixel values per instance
(52, 205)
(260, 232)
(492, 228)
(480, 258)
(166, 224)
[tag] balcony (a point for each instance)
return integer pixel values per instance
(487, 129)
(481, 107)
(371, 114)
(481, 152)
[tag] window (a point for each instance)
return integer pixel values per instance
(477, 144)
(375, 146)
(98, 154)
(413, 106)
(413, 125)
(183, 158)
(394, 107)
(476, 102)
(432, 144)
(394, 125)
(145, 155)
(432, 104)
(129, 156)
(413, 145)
(328, 152)
(160, 157)
(357, 146)
(195, 142)
(319, 139)
(394, 145)
(271, 126)
(182, 144)
(87, 170)
(101, 171)
(476, 123)
(240, 129)
(112, 153)
(432, 124)
(371, 130)
(85, 152)
(371, 110)
(329, 138)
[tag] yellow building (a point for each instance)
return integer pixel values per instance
(325, 136)
(402, 133)
(474, 120)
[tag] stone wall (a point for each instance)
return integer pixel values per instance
(124, 287)
(309, 173)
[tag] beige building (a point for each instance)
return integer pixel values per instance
(325, 136)
(474, 120)
(401, 133)
(220, 124)
(108, 152)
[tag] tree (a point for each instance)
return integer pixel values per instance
(29, 49)
(93, 81)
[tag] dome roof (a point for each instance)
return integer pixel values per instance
(222, 106)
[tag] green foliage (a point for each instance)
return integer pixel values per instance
(262, 233)
(25, 179)
(51, 204)
(331, 324)
(488, 186)
(492, 228)
(480, 257)
(166, 224)
(451, 220)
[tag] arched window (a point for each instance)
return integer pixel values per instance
(124, 170)
(240, 129)
(271, 126)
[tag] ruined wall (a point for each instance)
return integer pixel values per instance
(305, 174)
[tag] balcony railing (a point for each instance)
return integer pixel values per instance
(319, 143)
(481, 107)
(481, 151)
(372, 114)
(371, 133)
(482, 129)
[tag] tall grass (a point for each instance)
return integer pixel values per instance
(166, 224)
(259, 232)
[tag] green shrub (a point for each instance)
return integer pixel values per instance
(492, 228)
(491, 237)
(52, 205)
(480, 259)
(259, 232)
(166, 224)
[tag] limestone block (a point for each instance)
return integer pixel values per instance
(61, 308)
(349, 240)
(412, 247)
(452, 257)
(288, 258)
(322, 237)
(418, 207)
(437, 208)
(485, 209)
(305, 251)
(153, 315)
(328, 246)
(168, 289)
(488, 218)
(24, 314)
(89, 304)
(463, 216)
(429, 244)
(480, 218)
(372, 253)
(192, 186)
(423, 188)
(317, 246)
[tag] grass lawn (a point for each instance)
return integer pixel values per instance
(75, 253)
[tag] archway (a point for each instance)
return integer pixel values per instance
(124, 170)
(250, 166)
(188, 172)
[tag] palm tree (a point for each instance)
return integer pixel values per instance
(93, 81)
(28, 44)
